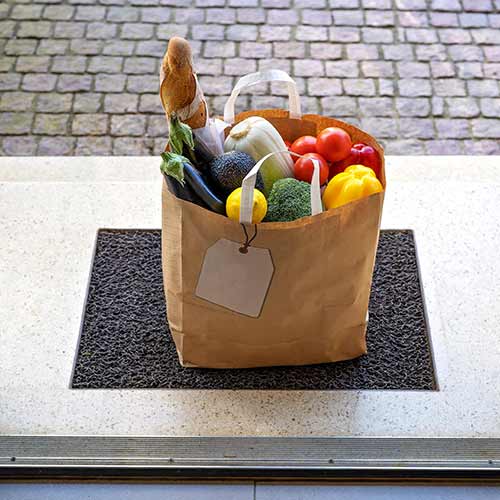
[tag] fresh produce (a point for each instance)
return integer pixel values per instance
(303, 145)
(333, 144)
(179, 168)
(289, 200)
(257, 137)
(180, 91)
(361, 154)
(229, 169)
(259, 208)
(355, 182)
(304, 168)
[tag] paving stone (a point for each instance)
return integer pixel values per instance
(324, 86)
(17, 47)
(344, 34)
(267, 102)
(483, 88)
(155, 15)
(446, 5)
(210, 66)
(56, 146)
(486, 127)
(123, 48)
(7, 64)
(19, 146)
(104, 31)
(431, 53)
(241, 32)
(473, 20)
(358, 87)
(74, 83)
(413, 19)
(449, 87)
(239, 67)
(87, 102)
(415, 35)
(385, 87)
(342, 69)
(415, 106)
(105, 64)
(93, 146)
(441, 69)
(51, 124)
(379, 18)
(376, 106)
(89, 13)
(4, 10)
(216, 85)
(15, 123)
(282, 17)
(377, 35)
(7, 29)
(311, 33)
(70, 30)
(217, 16)
(58, 12)
(380, 127)
(414, 87)
(193, 16)
(362, 52)
(339, 106)
(492, 53)
(110, 83)
(141, 85)
(316, 17)
(486, 36)
(404, 147)
(398, 52)
(121, 103)
(52, 47)
(444, 19)
(468, 70)
(413, 69)
(344, 4)
(126, 146)
(130, 125)
(308, 67)
(157, 127)
(166, 31)
(477, 5)
(278, 33)
(462, 107)
(28, 11)
(34, 29)
(69, 64)
(140, 65)
(465, 53)
(211, 32)
(54, 103)
(38, 82)
(452, 128)
(411, 4)
(348, 18)
(437, 104)
(244, 16)
(492, 70)
(421, 128)
(377, 68)
(150, 103)
(87, 47)
(490, 107)
(444, 147)
(90, 124)
(32, 64)
(16, 101)
(482, 147)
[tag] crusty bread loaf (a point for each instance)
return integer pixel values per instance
(179, 89)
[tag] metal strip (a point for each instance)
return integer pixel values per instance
(166, 458)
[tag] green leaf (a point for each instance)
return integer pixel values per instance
(180, 134)
(173, 165)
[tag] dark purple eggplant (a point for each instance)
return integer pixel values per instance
(202, 189)
(185, 192)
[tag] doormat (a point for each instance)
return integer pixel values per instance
(125, 341)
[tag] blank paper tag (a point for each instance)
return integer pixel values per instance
(238, 281)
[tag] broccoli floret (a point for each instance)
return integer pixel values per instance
(289, 200)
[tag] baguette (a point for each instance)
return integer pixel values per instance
(180, 91)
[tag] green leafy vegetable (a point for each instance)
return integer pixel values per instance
(180, 135)
(173, 165)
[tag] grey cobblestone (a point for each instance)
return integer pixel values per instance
(80, 76)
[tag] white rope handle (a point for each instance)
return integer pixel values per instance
(248, 185)
(271, 75)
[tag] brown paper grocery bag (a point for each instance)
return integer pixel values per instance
(315, 310)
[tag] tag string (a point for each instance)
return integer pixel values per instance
(244, 247)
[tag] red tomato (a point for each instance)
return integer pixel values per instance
(304, 168)
(334, 144)
(303, 145)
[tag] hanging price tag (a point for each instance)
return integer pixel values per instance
(236, 276)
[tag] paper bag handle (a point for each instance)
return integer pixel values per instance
(248, 185)
(270, 75)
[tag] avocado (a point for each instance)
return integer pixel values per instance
(229, 169)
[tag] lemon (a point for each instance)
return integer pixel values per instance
(259, 209)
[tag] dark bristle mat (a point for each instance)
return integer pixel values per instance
(125, 341)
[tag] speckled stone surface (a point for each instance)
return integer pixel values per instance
(50, 211)
(125, 340)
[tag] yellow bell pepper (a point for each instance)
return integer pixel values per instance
(355, 182)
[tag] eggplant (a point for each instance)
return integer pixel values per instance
(203, 154)
(202, 189)
(185, 192)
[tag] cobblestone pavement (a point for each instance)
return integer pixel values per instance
(81, 76)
